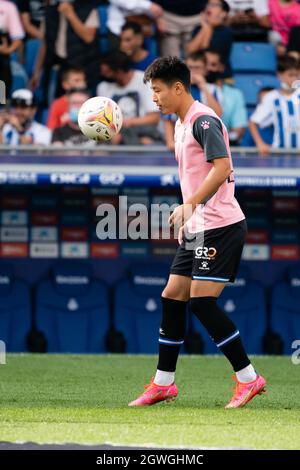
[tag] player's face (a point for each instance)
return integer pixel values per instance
(165, 96)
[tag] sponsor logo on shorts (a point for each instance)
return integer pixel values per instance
(203, 252)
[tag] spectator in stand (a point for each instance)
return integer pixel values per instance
(11, 36)
(249, 19)
(19, 127)
(179, 19)
(134, 97)
(72, 78)
(266, 133)
(231, 99)
(132, 41)
(70, 39)
(201, 90)
(70, 133)
(32, 14)
(144, 12)
(280, 108)
(293, 48)
(213, 33)
(284, 15)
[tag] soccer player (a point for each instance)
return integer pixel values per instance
(212, 223)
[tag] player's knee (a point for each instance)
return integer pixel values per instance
(171, 292)
(203, 305)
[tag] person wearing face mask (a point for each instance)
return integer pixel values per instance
(19, 126)
(280, 108)
(70, 133)
(231, 99)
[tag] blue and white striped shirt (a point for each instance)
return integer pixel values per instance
(283, 112)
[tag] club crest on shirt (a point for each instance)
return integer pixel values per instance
(205, 125)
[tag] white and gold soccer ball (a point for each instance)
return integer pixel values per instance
(100, 118)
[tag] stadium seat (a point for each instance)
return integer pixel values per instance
(15, 310)
(253, 57)
(103, 31)
(72, 309)
(137, 306)
(19, 76)
(32, 47)
(250, 85)
(244, 302)
(285, 309)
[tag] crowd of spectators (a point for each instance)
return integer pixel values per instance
(84, 48)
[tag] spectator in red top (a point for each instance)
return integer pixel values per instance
(72, 78)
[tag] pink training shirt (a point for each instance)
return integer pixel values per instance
(194, 164)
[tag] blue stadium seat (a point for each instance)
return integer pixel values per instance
(250, 85)
(285, 309)
(15, 310)
(72, 309)
(244, 302)
(137, 306)
(253, 57)
(19, 76)
(103, 31)
(32, 47)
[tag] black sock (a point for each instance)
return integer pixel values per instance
(221, 330)
(172, 333)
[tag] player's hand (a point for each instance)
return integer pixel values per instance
(15, 122)
(181, 215)
(264, 149)
(180, 235)
(66, 8)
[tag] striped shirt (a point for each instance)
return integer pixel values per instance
(282, 112)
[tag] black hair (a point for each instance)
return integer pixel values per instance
(211, 50)
(117, 60)
(196, 56)
(71, 69)
(287, 63)
(266, 89)
(135, 27)
(169, 70)
(225, 6)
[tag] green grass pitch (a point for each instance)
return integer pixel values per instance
(83, 399)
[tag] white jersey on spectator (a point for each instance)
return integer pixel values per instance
(283, 112)
(134, 99)
(260, 7)
(119, 9)
(40, 134)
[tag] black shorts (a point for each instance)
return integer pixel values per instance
(213, 255)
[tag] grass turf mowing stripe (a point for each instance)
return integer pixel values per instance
(83, 399)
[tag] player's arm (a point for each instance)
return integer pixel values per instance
(208, 132)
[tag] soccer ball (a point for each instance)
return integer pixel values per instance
(100, 118)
